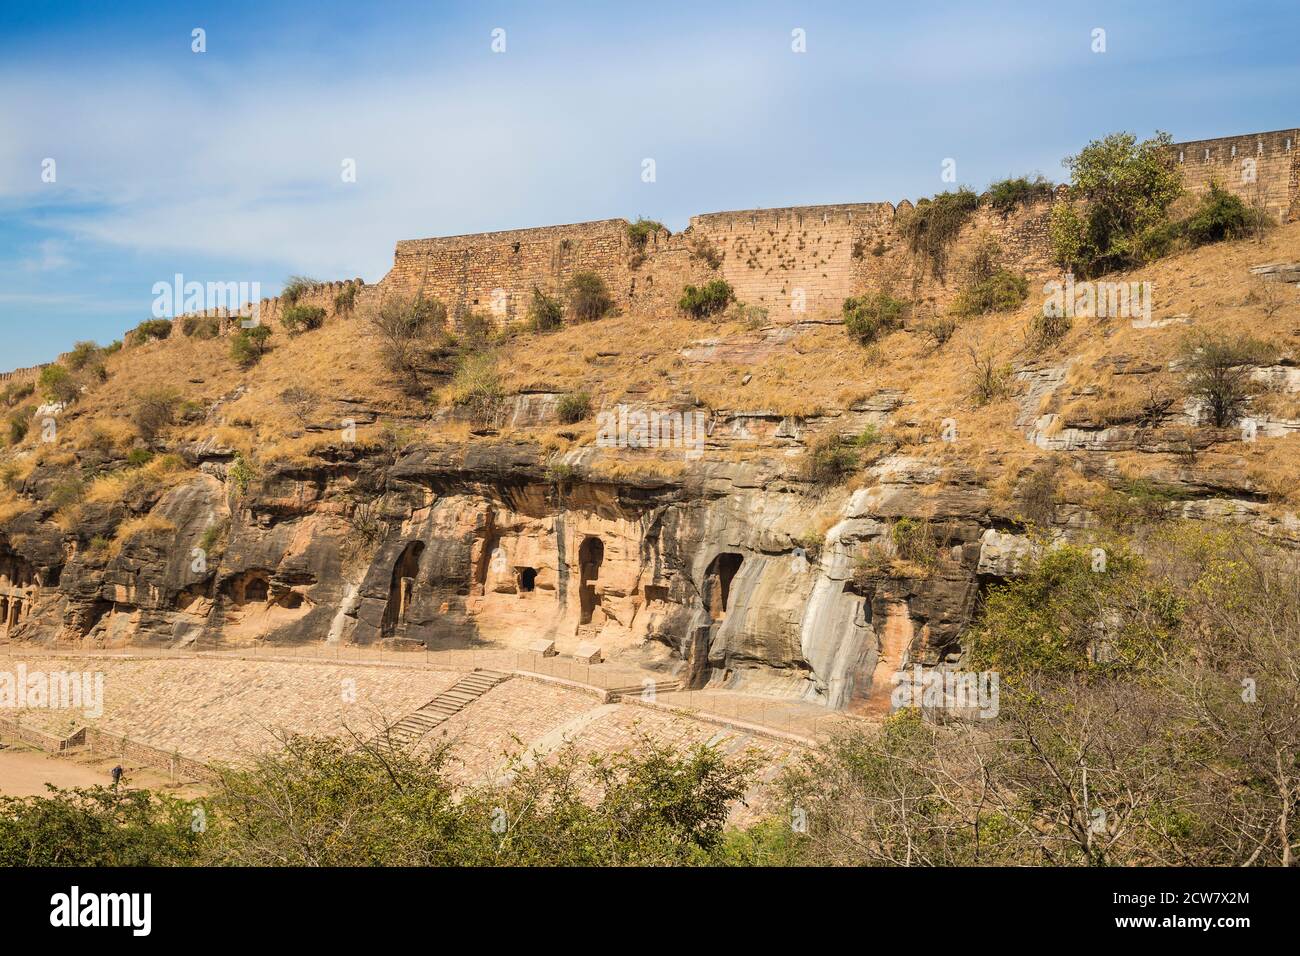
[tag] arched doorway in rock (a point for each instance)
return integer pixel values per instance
(717, 583)
(402, 587)
(591, 554)
(526, 578)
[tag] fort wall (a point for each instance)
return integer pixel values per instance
(1261, 168)
(796, 262)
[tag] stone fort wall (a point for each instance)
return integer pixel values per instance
(797, 262)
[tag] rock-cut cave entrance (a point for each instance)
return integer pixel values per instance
(527, 578)
(717, 583)
(401, 590)
(591, 554)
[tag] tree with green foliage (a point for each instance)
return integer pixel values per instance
(97, 826)
(57, 384)
(249, 345)
(1119, 198)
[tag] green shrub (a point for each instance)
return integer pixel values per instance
(573, 407)
(82, 354)
(57, 384)
(709, 299)
(639, 232)
(249, 345)
(137, 457)
(1000, 292)
(1051, 619)
(1006, 194)
(295, 287)
(870, 316)
(18, 426)
(1221, 215)
(151, 329)
(913, 540)
(829, 460)
(1046, 329)
(201, 326)
(302, 318)
(589, 297)
(241, 473)
(476, 387)
(346, 300)
(931, 227)
(15, 393)
(545, 314)
(1120, 191)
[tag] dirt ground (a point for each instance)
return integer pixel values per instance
(24, 772)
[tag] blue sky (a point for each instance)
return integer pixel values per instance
(225, 165)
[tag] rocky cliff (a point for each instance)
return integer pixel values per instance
(745, 503)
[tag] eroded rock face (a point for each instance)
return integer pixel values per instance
(718, 575)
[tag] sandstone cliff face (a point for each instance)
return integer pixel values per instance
(713, 575)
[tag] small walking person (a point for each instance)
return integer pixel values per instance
(117, 775)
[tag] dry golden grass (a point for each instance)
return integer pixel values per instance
(128, 531)
(725, 365)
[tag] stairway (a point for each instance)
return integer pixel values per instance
(451, 701)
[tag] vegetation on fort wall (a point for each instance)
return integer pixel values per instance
(1006, 195)
(701, 302)
(149, 330)
(933, 224)
(1118, 201)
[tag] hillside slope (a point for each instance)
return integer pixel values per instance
(822, 513)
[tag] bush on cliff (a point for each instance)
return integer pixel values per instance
(1120, 194)
(476, 387)
(589, 297)
(870, 316)
(405, 328)
(1219, 372)
(829, 460)
(703, 301)
(1222, 215)
(249, 345)
(149, 330)
(574, 407)
(545, 313)
(302, 318)
(1003, 291)
(57, 384)
(154, 411)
